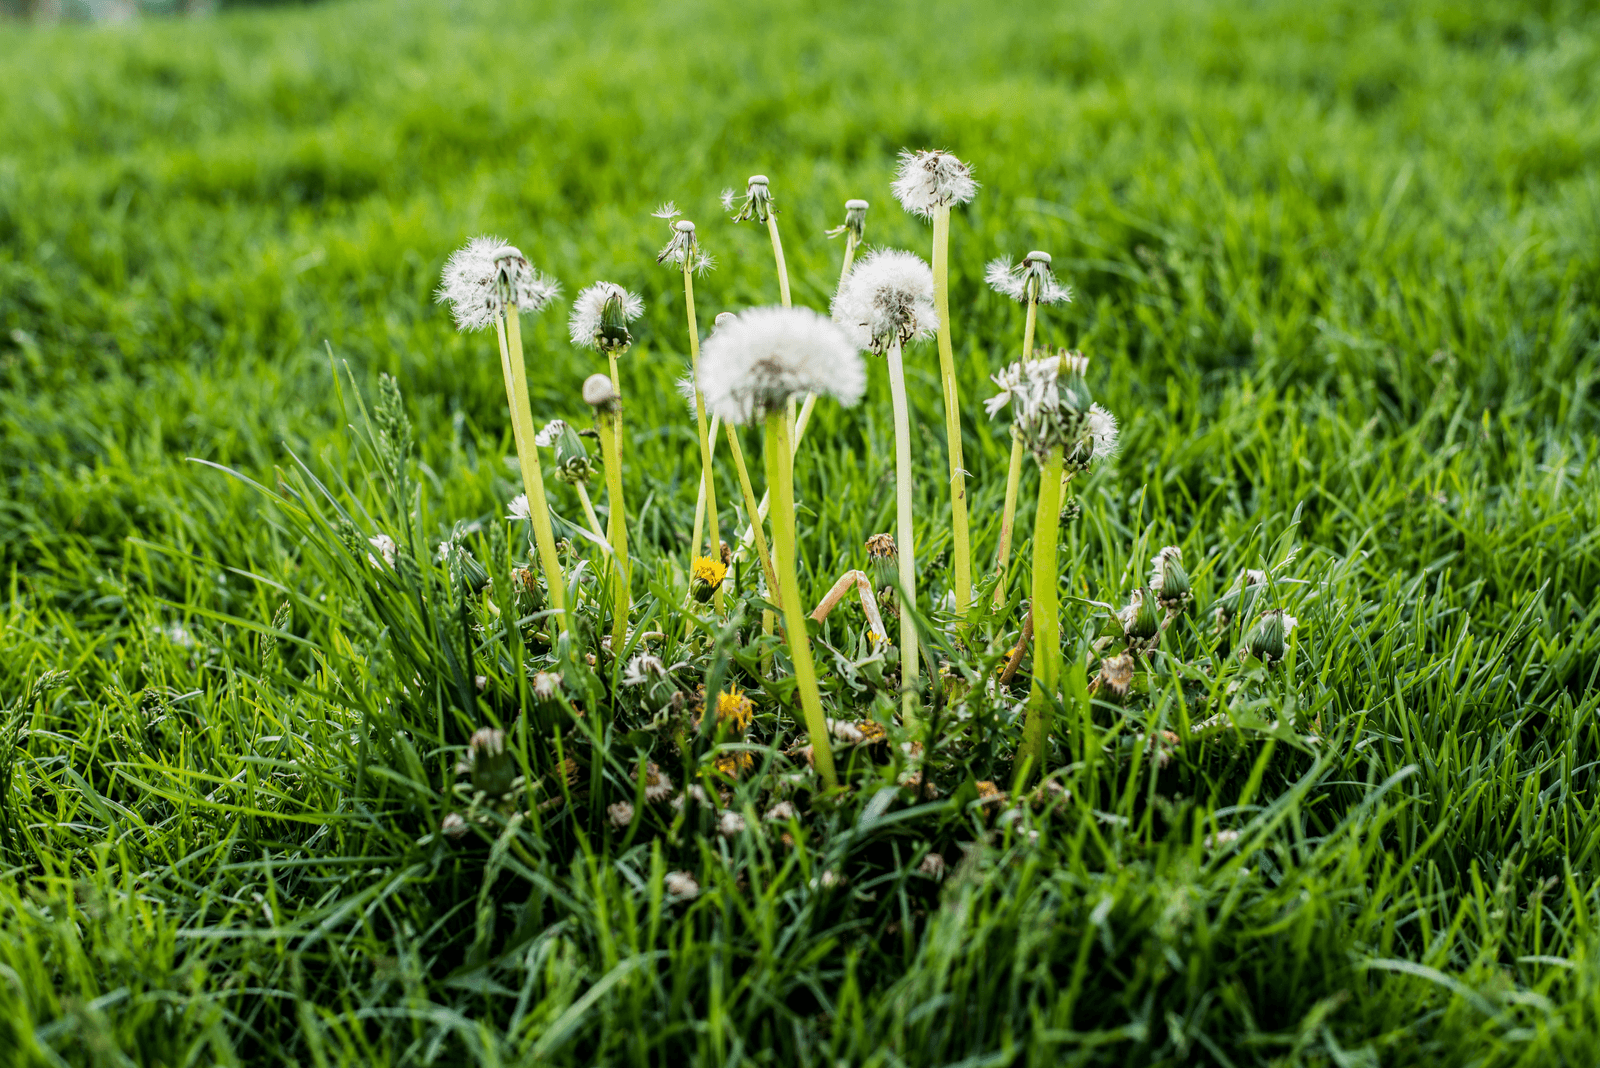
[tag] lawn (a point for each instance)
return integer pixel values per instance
(1335, 267)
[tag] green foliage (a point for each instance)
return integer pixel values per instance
(1336, 272)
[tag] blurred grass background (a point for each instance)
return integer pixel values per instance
(1344, 255)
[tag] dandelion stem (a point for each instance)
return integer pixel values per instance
(622, 601)
(708, 486)
(700, 493)
(616, 387)
(952, 409)
(1014, 472)
(737, 452)
(594, 520)
(780, 478)
(849, 255)
(904, 537)
(1046, 613)
(516, 372)
(777, 254)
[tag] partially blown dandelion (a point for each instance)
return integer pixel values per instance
(488, 281)
(885, 301)
(753, 366)
(927, 185)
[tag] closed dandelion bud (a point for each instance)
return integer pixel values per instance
(572, 456)
(707, 575)
(1070, 511)
(1140, 622)
(527, 590)
(599, 393)
(1169, 581)
(1267, 641)
(492, 768)
(855, 220)
(884, 560)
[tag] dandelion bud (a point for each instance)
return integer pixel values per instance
(572, 456)
(1168, 580)
(599, 393)
(1070, 511)
(707, 575)
(492, 768)
(600, 317)
(855, 221)
(1267, 640)
(527, 591)
(1140, 622)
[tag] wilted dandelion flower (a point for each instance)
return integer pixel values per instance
(886, 299)
(492, 767)
(754, 364)
(485, 275)
(756, 204)
(932, 179)
(600, 317)
(657, 783)
(1030, 280)
(546, 685)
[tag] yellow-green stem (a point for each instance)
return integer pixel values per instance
(777, 254)
(528, 455)
(622, 600)
(714, 537)
(616, 387)
(1046, 614)
(905, 543)
(700, 491)
(781, 481)
(960, 550)
(594, 520)
(1014, 472)
(737, 452)
(849, 255)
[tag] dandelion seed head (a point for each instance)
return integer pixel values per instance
(754, 364)
(486, 275)
(620, 814)
(932, 179)
(681, 884)
(657, 783)
(730, 824)
(1032, 279)
(598, 392)
(600, 317)
(886, 299)
(683, 250)
(642, 669)
(756, 203)
(781, 812)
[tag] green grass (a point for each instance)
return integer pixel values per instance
(1337, 272)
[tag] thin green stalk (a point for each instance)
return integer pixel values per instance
(708, 485)
(1046, 613)
(781, 478)
(777, 254)
(849, 255)
(960, 550)
(594, 520)
(905, 543)
(737, 452)
(1014, 472)
(515, 367)
(616, 387)
(700, 492)
(622, 600)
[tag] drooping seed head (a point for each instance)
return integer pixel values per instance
(754, 364)
(485, 277)
(600, 317)
(886, 299)
(683, 247)
(932, 179)
(756, 204)
(1030, 280)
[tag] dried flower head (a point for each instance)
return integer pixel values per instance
(932, 864)
(453, 825)
(932, 179)
(1116, 673)
(682, 885)
(886, 299)
(882, 547)
(755, 364)
(620, 814)
(1030, 280)
(855, 220)
(642, 669)
(600, 317)
(1051, 407)
(485, 277)
(730, 824)
(1140, 622)
(756, 203)
(706, 575)
(683, 247)
(657, 783)
(781, 812)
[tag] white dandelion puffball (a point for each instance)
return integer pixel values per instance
(484, 275)
(601, 314)
(681, 884)
(767, 355)
(1031, 279)
(930, 180)
(887, 298)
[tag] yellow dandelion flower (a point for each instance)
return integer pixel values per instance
(731, 764)
(706, 575)
(734, 707)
